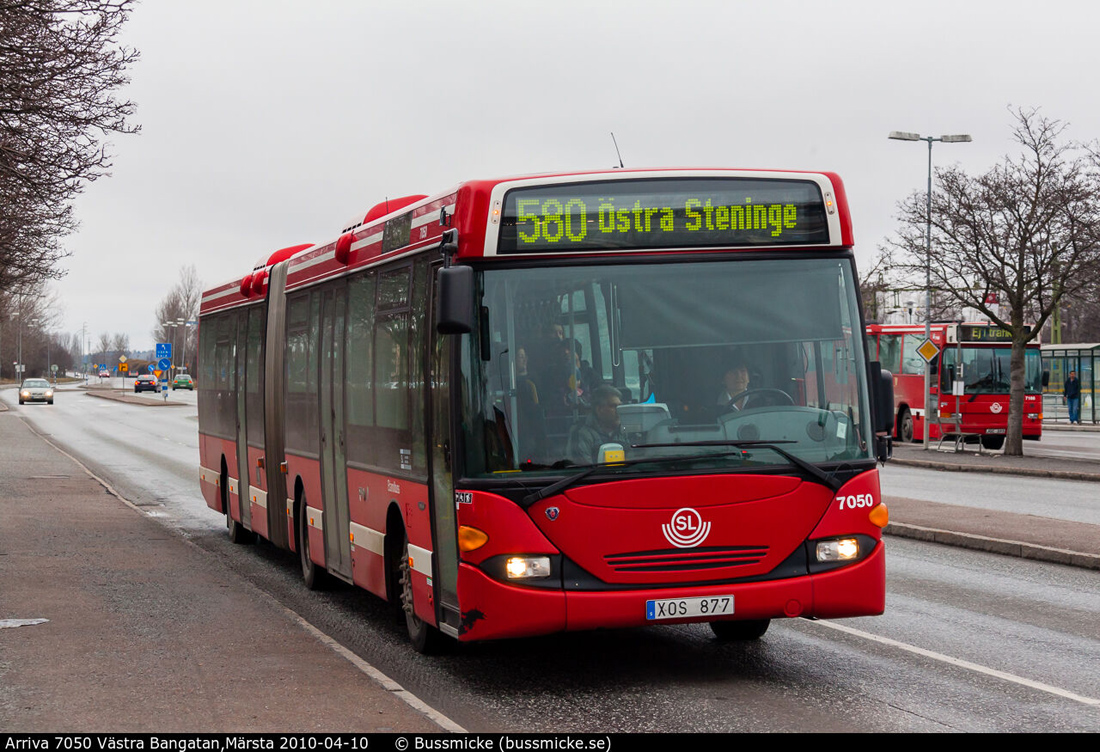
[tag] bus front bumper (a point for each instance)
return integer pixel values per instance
(492, 609)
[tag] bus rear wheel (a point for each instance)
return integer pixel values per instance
(312, 575)
(905, 427)
(740, 631)
(993, 442)
(424, 637)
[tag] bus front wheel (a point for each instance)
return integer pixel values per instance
(424, 637)
(740, 631)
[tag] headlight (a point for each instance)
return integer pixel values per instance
(24, 393)
(527, 567)
(840, 549)
(49, 392)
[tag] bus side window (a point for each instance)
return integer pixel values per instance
(911, 361)
(889, 352)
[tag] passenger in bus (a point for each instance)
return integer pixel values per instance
(550, 364)
(530, 418)
(601, 426)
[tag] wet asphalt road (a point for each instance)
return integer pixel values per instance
(969, 641)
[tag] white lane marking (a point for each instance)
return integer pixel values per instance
(389, 684)
(964, 664)
(13, 623)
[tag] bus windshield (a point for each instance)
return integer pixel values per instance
(987, 370)
(692, 366)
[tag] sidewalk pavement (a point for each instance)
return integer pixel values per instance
(110, 621)
(1024, 535)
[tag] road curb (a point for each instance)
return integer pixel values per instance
(1032, 472)
(131, 400)
(1018, 549)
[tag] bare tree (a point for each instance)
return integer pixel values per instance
(26, 318)
(104, 349)
(1026, 232)
(181, 304)
(60, 66)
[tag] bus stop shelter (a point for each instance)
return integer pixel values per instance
(1059, 360)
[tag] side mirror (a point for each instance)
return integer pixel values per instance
(454, 307)
(882, 398)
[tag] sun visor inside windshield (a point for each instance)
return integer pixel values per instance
(743, 302)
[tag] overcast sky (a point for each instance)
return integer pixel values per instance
(268, 123)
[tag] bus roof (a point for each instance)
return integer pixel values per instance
(602, 212)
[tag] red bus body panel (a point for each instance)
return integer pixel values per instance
(618, 532)
(763, 518)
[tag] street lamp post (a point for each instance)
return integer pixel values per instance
(956, 139)
(183, 354)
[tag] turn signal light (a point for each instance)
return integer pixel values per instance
(879, 516)
(470, 538)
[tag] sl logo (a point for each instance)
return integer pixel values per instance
(995, 408)
(686, 529)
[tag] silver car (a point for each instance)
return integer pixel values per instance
(35, 390)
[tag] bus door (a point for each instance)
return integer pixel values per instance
(442, 487)
(241, 393)
(334, 478)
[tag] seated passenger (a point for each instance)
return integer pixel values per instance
(602, 426)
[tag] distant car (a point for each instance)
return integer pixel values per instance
(104, 374)
(183, 381)
(146, 383)
(35, 390)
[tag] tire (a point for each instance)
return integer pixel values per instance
(21, 402)
(312, 575)
(424, 637)
(993, 442)
(739, 631)
(905, 427)
(49, 402)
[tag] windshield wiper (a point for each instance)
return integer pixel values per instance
(564, 483)
(829, 480)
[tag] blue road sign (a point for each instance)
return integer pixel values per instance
(164, 350)
(164, 364)
(152, 368)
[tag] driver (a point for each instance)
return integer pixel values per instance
(736, 382)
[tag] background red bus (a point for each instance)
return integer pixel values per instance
(504, 407)
(984, 352)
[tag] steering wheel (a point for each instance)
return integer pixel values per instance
(782, 397)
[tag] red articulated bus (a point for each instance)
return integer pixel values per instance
(562, 402)
(977, 354)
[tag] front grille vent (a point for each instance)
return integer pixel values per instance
(686, 560)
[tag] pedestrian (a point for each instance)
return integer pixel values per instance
(1072, 392)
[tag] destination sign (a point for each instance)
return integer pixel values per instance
(663, 213)
(978, 333)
